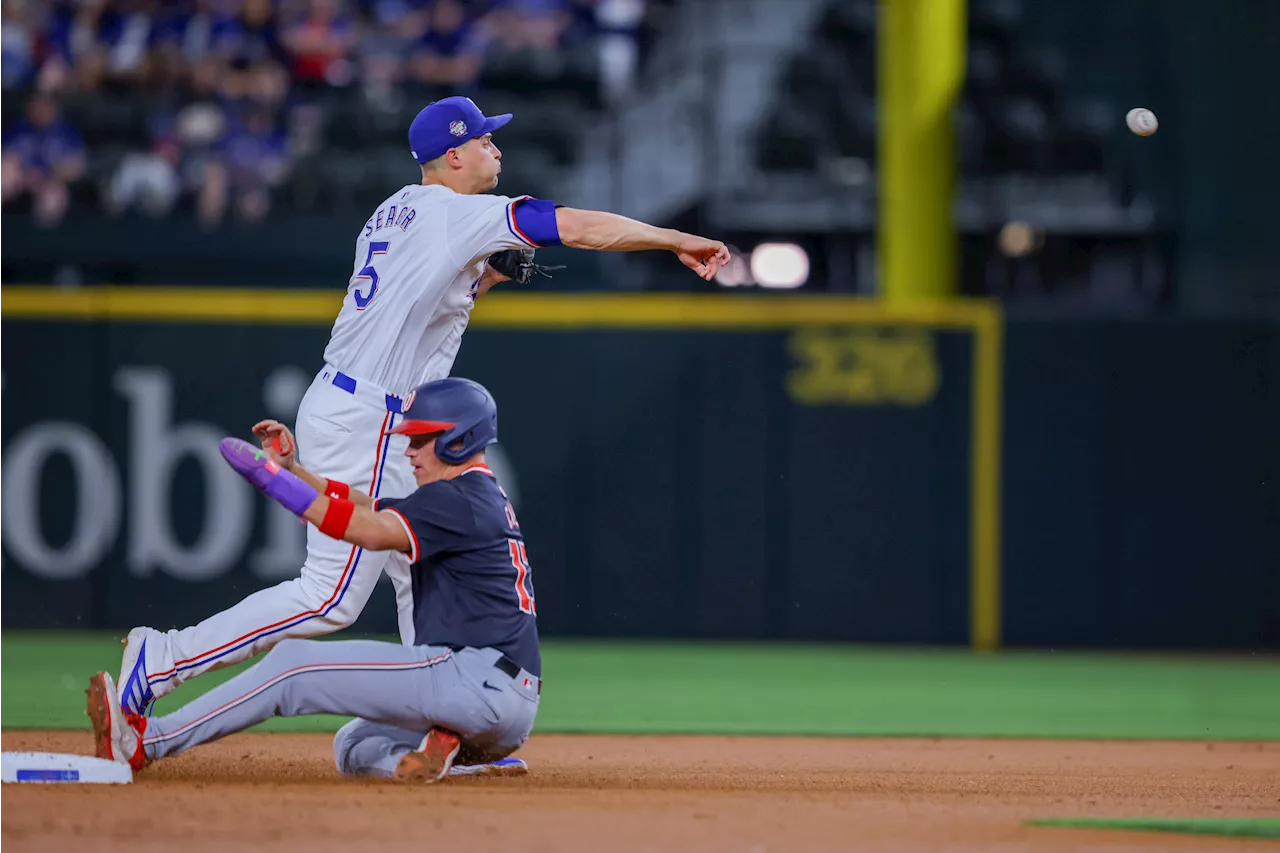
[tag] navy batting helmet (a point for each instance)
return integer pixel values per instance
(457, 408)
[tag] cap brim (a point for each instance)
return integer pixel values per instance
(492, 123)
(422, 427)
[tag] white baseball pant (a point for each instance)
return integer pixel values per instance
(343, 434)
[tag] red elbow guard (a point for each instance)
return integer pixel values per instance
(337, 517)
(335, 489)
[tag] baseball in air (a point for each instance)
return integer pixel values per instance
(1142, 121)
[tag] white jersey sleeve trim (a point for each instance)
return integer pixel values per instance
(413, 540)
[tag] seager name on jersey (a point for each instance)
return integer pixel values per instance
(409, 297)
(390, 217)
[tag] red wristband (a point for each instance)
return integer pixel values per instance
(337, 517)
(335, 489)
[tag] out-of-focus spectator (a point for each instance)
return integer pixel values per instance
(43, 155)
(147, 180)
(582, 22)
(451, 51)
(394, 28)
(254, 37)
(265, 87)
(185, 33)
(530, 23)
(224, 83)
(320, 44)
(186, 131)
(103, 43)
(252, 160)
(387, 31)
(19, 45)
(618, 25)
(404, 19)
(198, 122)
(264, 84)
(380, 57)
(201, 117)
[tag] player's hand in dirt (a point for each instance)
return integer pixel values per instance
(703, 256)
(278, 441)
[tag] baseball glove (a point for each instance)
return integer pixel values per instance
(518, 265)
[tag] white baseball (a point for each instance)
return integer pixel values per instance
(1142, 121)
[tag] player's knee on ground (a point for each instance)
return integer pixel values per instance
(343, 743)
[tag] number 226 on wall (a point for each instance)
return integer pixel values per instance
(863, 367)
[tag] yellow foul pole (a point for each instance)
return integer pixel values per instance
(920, 70)
(921, 50)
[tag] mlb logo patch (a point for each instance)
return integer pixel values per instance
(458, 128)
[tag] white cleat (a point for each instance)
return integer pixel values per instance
(136, 696)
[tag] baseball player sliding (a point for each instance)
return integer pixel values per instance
(472, 675)
(421, 260)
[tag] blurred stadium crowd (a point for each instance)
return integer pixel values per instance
(224, 108)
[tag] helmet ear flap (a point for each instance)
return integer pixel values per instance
(446, 451)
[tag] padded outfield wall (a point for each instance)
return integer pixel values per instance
(817, 469)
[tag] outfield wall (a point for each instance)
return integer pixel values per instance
(690, 468)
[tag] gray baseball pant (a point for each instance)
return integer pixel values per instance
(398, 693)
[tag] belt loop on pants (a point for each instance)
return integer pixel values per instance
(365, 392)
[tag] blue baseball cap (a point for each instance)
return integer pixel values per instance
(448, 123)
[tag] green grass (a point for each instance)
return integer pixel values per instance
(1262, 827)
(782, 689)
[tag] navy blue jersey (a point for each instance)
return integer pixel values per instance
(472, 585)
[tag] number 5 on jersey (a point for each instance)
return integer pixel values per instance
(363, 299)
(524, 576)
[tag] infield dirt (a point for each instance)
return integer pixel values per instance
(276, 792)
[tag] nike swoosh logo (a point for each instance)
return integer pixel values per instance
(491, 687)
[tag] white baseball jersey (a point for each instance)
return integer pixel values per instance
(418, 265)
(419, 260)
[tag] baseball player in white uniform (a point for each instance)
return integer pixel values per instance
(420, 262)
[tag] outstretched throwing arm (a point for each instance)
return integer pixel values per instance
(609, 232)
